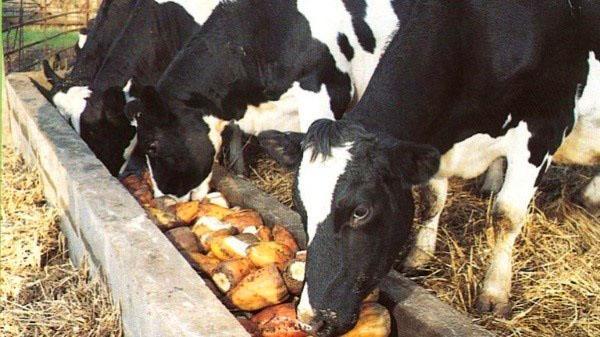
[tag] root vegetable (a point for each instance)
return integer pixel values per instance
(283, 236)
(207, 224)
(264, 233)
(204, 263)
(293, 276)
(139, 188)
(373, 321)
(215, 211)
(187, 211)
(163, 203)
(164, 220)
(259, 289)
(266, 253)
(232, 246)
(207, 239)
(229, 273)
(279, 321)
(183, 239)
(244, 218)
(216, 198)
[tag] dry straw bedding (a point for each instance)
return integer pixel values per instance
(41, 292)
(556, 280)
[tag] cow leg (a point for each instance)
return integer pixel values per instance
(510, 212)
(433, 197)
(494, 177)
(589, 196)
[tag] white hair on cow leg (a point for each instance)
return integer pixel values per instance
(510, 213)
(494, 177)
(316, 183)
(591, 194)
(71, 104)
(582, 145)
(81, 41)
(434, 199)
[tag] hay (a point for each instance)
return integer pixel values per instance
(556, 280)
(270, 177)
(41, 292)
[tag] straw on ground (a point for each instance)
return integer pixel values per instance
(41, 292)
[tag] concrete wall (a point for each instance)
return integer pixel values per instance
(158, 292)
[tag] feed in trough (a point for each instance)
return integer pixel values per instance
(256, 271)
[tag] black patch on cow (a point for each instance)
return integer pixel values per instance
(345, 46)
(358, 11)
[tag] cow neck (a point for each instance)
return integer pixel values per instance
(144, 49)
(107, 25)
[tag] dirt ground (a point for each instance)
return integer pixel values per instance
(41, 292)
(556, 279)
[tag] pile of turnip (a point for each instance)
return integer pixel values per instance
(255, 270)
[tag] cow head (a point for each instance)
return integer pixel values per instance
(353, 190)
(180, 144)
(106, 129)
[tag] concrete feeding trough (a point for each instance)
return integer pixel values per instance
(158, 291)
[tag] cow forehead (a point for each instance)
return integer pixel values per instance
(316, 183)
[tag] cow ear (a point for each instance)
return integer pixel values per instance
(414, 163)
(114, 103)
(284, 147)
(51, 76)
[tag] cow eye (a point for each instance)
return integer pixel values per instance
(361, 214)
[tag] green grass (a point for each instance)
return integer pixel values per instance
(33, 34)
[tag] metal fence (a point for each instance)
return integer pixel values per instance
(17, 15)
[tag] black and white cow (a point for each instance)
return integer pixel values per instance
(461, 84)
(147, 43)
(261, 64)
(93, 48)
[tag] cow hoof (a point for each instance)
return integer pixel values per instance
(500, 307)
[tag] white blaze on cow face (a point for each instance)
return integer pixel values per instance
(72, 103)
(316, 183)
(126, 92)
(82, 40)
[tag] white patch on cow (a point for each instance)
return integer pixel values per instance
(126, 92)
(591, 193)
(72, 103)
(494, 177)
(327, 19)
(127, 153)
(582, 145)
(316, 183)
(199, 192)
(304, 309)
(508, 120)
(281, 115)
(199, 10)
(215, 133)
(157, 192)
(472, 156)
(82, 40)
(312, 106)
